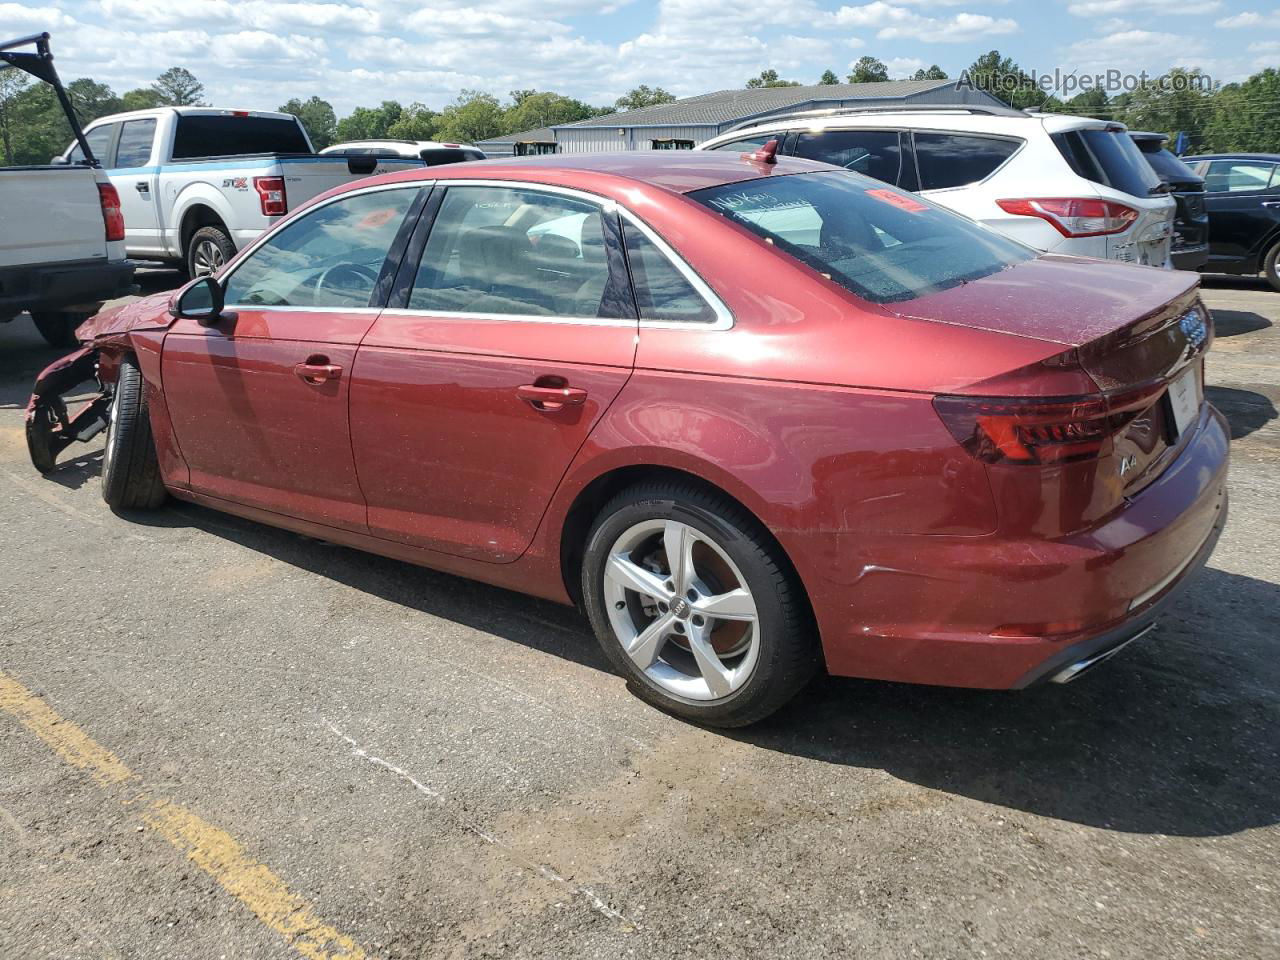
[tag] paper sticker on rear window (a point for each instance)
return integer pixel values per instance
(376, 218)
(898, 200)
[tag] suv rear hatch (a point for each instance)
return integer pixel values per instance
(1104, 155)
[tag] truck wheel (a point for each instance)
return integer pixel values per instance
(130, 469)
(1271, 267)
(58, 327)
(209, 249)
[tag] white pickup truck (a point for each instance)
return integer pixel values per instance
(198, 183)
(61, 232)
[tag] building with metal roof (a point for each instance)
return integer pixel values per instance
(682, 124)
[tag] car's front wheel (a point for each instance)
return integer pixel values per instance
(1271, 267)
(694, 603)
(130, 468)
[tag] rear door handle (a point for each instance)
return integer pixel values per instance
(551, 398)
(142, 186)
(317, 370)
(1271, 203)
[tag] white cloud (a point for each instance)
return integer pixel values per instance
(896, 22)
(18, 20)
(1246, 19)
(1102, 8)
(903, 67)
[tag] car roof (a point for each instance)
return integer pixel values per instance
(414, 144)
(943, 118)
(615, 174)
(1269, 157)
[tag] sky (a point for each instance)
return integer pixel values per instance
(257, 54)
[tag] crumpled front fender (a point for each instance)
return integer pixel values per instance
(50, 428)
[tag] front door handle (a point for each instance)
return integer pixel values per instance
(551, 398)
(1271, 203)
(317, 370)
(142, 186)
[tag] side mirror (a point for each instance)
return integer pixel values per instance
(200, 300)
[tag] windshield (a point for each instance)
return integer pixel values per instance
(881, 243)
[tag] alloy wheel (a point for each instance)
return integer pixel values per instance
(207, 258)
(682, 610)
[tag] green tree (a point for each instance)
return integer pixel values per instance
(178, 87)
(416, 122)
(828, 78)
(473, 116)
(643, 96)
(13, 83)
(92, 99)
(769, 78)
(1090, 103)
(317, 117)
(1181, 101)
(545, 110)
(935, 72)
(1246, 116)
(369, 123)
(868, 70)
(1003, 78)
(144, 98)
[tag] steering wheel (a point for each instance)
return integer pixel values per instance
(339, 270)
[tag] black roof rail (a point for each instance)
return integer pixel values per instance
(40, 65)
(991, 111)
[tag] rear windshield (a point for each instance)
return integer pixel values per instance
(1108, 157)
(228, 136)
(881, 243)
(1167, 166)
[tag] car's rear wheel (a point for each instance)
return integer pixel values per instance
(58, 327)
(695, 605)
(130, 469)
(209, 249)
(1271, 267)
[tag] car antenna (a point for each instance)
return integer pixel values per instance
(765, 154)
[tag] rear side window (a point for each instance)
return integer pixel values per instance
(134, 149)
(954, 160)
(881, 243)
(1239, 176)
(99, 139)
(872, 153)
(1108, 157)
(662, 291)
(206, 135)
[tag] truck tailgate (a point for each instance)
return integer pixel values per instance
(307, 177)
(50, 214)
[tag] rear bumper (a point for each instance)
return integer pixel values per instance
(53, 286)
(1004, 612)
(1190, 258)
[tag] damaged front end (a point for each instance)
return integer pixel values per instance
(51, 428)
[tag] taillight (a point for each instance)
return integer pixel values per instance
(112, 215)
(271, 195)
(1041, 430)
(1075, 217)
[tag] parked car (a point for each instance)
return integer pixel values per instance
(198, 183)
(430, 152)
(1191, 219)
(1242, 192)
(755, 414)
(61, 231)
(1058, 183)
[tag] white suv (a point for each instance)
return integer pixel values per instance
(430, 152)
(1070, 185)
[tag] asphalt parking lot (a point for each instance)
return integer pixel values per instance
(222, 740)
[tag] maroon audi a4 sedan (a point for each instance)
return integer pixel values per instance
(755, 417)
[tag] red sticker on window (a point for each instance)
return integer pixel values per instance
(898, 200)
(377, 218)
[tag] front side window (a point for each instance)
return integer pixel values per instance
(1239, 176)
(503, 250)
(955, 160)
(872, 153)
(882, 244)
(99, 140)
(662, 291)
(134, 149)
(330, 257)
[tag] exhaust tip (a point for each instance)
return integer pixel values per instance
(1075, 670)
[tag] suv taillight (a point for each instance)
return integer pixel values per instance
(271, 195)
(1075, 217)
(112, 215)
(1041, 430)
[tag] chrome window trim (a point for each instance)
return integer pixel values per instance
(288, 221)
(516, 317)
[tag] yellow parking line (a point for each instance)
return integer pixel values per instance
(211, 849)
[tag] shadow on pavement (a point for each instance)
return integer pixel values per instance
(1245, 410)
(1233, 323)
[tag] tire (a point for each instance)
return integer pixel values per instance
(1271, 267)
(207, 250)
(719, 671)
(130, 469)
(58, 327)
